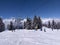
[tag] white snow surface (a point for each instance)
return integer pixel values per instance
(30, 37)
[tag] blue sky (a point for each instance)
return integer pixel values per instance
(24, 8)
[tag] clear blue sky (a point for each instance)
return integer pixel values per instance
(24, 8)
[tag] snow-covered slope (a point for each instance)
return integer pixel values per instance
(30, 37)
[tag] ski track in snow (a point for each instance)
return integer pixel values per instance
(30, 37)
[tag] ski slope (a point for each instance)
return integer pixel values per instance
(30, 37)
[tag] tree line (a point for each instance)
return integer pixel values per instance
(53, 25)
(34, 23)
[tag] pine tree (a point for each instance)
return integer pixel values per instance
(11, 27)
(53, 24)
(39, 23)
(49, 25)
(2, 25)
(35, 22)
(28, 23)
(58, 25)
(24, 25)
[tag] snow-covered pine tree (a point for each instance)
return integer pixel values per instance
(35, 22)
(2, 25)
(28, 23)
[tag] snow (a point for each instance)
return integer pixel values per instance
(24, 20)
(30, 37)
(45, 20)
